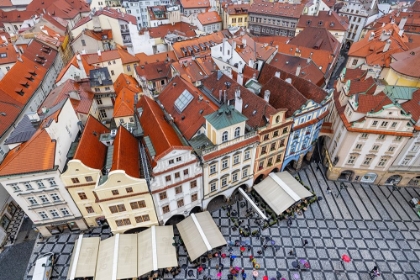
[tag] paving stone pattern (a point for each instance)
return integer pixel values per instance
(361, 222)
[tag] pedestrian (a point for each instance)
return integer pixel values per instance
(265, 246)
(11, 239)
(305, 242)
(291, 253)
(251, 257)
(249, 248)
(244, 276)
(259, 252)
(329, 190)
(289, 221)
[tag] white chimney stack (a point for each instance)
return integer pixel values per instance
(298, 70)
(244, 42)
(240, 79)
(387, 44)
(267, 95)
(99, 52)
(372, 35)
(402, 23)
(277, 75)
(238, 100)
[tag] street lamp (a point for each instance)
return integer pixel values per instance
(342, 187)
(394, 188)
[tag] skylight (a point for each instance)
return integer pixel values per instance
(183, 100)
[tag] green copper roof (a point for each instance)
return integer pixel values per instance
(224, 117)
(399, 92)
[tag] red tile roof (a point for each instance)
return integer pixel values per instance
(23, 80)
(112, 13)
(329, 20)
(35, 155)
(83, 91)
(309, 70)
(216, 38)
(356, 73)
(8, 54)
(407, 63)
(206, 63)
(126, 81)
(94, 58)
(190, 70)
(236, 9)
(43, 55)
(252, 50)
(65, 9)
(190, 4)
(209, 18)
(277, 9)
(192, 118)
(179, 28)
(9, 111)
(317, 38)
(73, 62)
(124, 103)
(90, 151)
(163, 136)
(146, 59)
(126, 153)
(372, 103)
(99, 36)
(413, 106)
(15, 16)
(6, 3)
(372, 50)
(362, 86)
(155, 71)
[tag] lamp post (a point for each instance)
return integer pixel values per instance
(394, 188)
(342, 187)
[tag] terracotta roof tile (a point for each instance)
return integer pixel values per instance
(362, 86)
(318, 39)
(8, 54)
(154, 71)
(329, 20)
(407, 63)
(203, 43)
(308, 69)
(112, 13)
(125, 57)
(6, 3)
(237, 9)
(277, 8)
(190, 70)
(66, 9)
(43, 55)
(58, 94)
(356, 73)
(124, 103)
(145, 59)
(191, 119)
(252, 50)
(413, 106)
(372, 103)
(14, 16)
(189, 4)
(163, 136)
(90, 151)
(179, 28)
(35, 155)
(206, 63)
(23, 80)
(209, 18)
(126, 81)
(9, 111)
(99, 36)
(126, 153)
(256, 109)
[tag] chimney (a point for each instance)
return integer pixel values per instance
(387, 44)
(223, 46)
(240, 79)
(402, 23)
(220, 95)
(288, 80)
(267, 95)
(251, 63)
(372, 35)
(224, 97)
(233, 46)
(99, 52)
(298, 70)
(329, 12)
(244, 42)
(277, 75)
(401, 32)
(238, 100)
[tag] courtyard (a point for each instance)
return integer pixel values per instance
(369, 223)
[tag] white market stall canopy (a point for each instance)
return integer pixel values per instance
(281, 190)
(124, 256)
(200, 234)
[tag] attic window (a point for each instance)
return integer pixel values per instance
(412, 53)
(246, 106)
(33, 73)
(26, 85)
(253, 113)
(30, 78)
(20, 92)
(3, 55)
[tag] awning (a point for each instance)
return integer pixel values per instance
(104, 267)
(281, 190)
(200, 234)
(127, 256)
(155, 249)
(84, 257)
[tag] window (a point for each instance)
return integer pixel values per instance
(358, 146)
(193, 184)
(28, 186)
(213, 187)
(162, 195)
(128, 68)
(15, 187)
(375, 147)
(235, 177)
(83, 43)
(171, 161)
(178, 190)
(354, 62)
(225, 136)
(75, 180)
(32, 200)
(224, 164)
(278, 158)
(381, 137)
(168, 178)
(102, 113)
(398, 138)
(270, 162)
(224, 182)
(43, 215)
(54, 213)
(194, 197)
(146, 217)
(367, 161)
(177, 175)
(364, 135)
(264, 150)
(55, 197)
(89, 209)
(112, 72)
(391, 149)
(82, 195)
(165, 209)
(415, 148)
(138, 204)
(384, 124)
(266, 137)
(237, 132)
(406, 161)
(43, 198)
(351, 160)
(117, 208)
(282, 143)
(139, 219)
(394, 125)
(247, 155)
(276, 133)
(185, 172)
(180, 203)
(88, 178)
(40, 184)
(178, 159)
(115, 192)
(123, 222)
(65, 212)
(245, 173)
(235, 159)
(285, 130)
(272, 146)
(162, 82)
(109, 62)
(382, 161)
(212, 169)
(129, 190)
(375, 123)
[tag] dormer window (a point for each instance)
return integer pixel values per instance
(225, 136)
(237, 132)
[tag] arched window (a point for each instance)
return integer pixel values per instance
(237, 132)
(225, 136)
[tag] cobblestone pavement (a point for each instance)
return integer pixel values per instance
(361, 222)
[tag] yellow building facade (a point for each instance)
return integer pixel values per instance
(235, 15)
